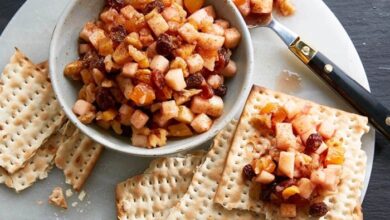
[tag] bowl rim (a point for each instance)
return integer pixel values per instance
(160, 151)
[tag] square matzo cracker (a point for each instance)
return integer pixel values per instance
(234, 192)
(29, 112)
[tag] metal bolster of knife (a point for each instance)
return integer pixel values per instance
(302, 50)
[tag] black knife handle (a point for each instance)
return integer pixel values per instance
(364, 102)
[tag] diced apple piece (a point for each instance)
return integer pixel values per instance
(215, 81)
(184, 51)
(130, 12)
(159, 63)
(169, 109)
(185, 115)
(306, 188)
(82, 107)
(262, 6)
(87, 31)
(232, 38)
(188, 32)
(291, 108)
(129, 69)
(139, 140)
(121, 54)
(317, 177)
(179, 62)
(210, 41)
(109, 15)
(180, 130)
(230, 70)
(139, 119)
(125, 113)
(223, 23)
(201, 123)
(171, 14)
(286, 163)
(160, 120)
(288, 210)
(323, 147)
(205, 15)
(303, 123)
(326, 129)
(157, 23)
(215, 106)
(214, 29)
(209, 62)
(265, 177)
(125, 85)
(199, 105)
(285, 138)
(175, 79)
(195, 63)
(244, 6)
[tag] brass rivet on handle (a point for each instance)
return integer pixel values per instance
(388, 121)
(328, 68)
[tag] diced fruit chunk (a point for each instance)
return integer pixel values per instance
(142, 94)
(188, 32)
(82, 107)
(230, 70)
(210, 41)
(204, 16)
(159, 63)
(73, 69)
(306, 187)
(169, 109)
(138, 56)
(199, 105)
(215, 81)
(195, 63)
(335, 154)
(326, 129)
(232, 38)
(125, 114)
(158, 24)
(129, 69)
(303, 123)
(291, 108)
(185, 115)
(290, 191)
(201, 123)
(215, 106)
(285, 137)
(193, 5)
(158, 137)
(139, 119)
(179, 130)
(288, 210)
(139, 140)
(286, 163)
(175, 79)
(261, 6)
(265, 177)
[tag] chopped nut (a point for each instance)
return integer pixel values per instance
(57, 198)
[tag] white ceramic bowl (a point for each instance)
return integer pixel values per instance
(63, 50)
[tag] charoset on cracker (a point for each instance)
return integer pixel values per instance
(36, 168)
(150, 195)
(198, 202)
(77, 156)
(234, 192)
(57, 198)
(29, 112)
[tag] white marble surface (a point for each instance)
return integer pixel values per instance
(31, 29)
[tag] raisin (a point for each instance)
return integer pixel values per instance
(116, 4)
(165, 45)
(220, 91)
(104, 99)
(248, 172)
(152, 5)
(223, 59)
(194, 81)
(158, 79)
(118, 33)
(318, 209)
(207, 92)
(313, 142)
(93, 60)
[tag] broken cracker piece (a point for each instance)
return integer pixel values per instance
(57, 198)
(36, 168)
(29, 112)
(76, 157)
(158, 189)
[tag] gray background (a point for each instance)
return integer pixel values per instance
(368, 24)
